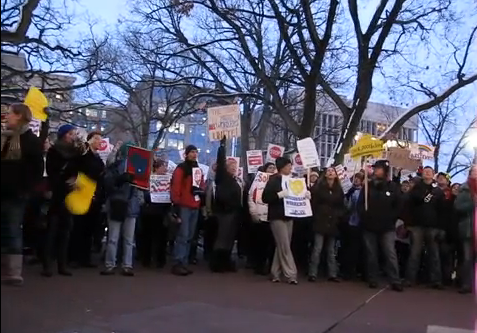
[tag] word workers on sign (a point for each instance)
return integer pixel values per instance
(296, 204)
(223, 121)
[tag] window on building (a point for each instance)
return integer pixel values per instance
(369, 127)
(103, 114)
(177, 128)
(174, 143)
(91, 113)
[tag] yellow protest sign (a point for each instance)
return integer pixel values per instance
(79, 200)
(367, 145)
(37, 103)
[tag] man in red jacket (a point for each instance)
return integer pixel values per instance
(186, 192)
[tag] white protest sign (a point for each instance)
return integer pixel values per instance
(196, 177)
(352, 166)
(254, 160)
(223, 120)
(346, 184)
(421, 152)
(309, 155)
(204, 168)
(35, 125)
(105, 148)
(274, 152)
(255, 192)
(181, 154)
(171, 166)
(298, 164)
(159, 188)
(296, 204)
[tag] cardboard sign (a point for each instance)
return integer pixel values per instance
(254, 160)
(160, 188)
(274, 152)
(343, 177)
(367, 145)
(297, 164)
(401, 158)
(296, 204)
(223, 120)
(309, 155)
(255, 192)
(139, 164)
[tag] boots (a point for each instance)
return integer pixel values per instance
(12, 265)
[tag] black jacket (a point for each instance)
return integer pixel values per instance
(276, 210)
(328, 208)
(427, 204)
(19, 177)
(228, 193)
(155, 209)
(384, 203)
(92, 165)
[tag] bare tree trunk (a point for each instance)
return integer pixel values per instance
(436, 158)
(245, 123)
(264, 123)
(309, 108)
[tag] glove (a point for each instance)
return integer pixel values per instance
(223, 141)
(308, 195)
(282, 194)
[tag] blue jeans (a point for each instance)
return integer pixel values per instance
(185, 234)
(12, 212)
(387, 241)
(330, 255)
(419, 237)
(114, 229)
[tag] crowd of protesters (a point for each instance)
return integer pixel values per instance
(418, 231)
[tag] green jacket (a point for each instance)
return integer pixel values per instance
(464, 207)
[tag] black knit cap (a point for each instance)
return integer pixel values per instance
(190, 148)
(282, 162)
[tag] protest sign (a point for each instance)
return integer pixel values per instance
(139, 164)
(308, 154)
(159, 188)
(35, 125)
(401, 158)
(105, 148)
(204, 168)
(240, 173)
(223, 120)
(297, 164)
(196, 177)
(273, 152)
(367, 145)
(256, 190)
(421, 152)
(254, 160)
(296, 204)
(37, 102)
(346, 184)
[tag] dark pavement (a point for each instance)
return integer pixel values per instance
(157, 302)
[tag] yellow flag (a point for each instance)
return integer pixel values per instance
(79, 200)
(37, 103)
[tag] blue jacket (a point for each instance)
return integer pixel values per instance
(122, 190)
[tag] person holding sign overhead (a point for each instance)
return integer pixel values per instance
(22, 170)
(282, 226)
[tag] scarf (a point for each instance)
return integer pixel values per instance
(12, 137)
(187, 166)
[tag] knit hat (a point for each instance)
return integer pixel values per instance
(190, 148)
(383, 164)
(64, 129)
(282, 162)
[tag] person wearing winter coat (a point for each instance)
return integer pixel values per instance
(426, 202)
(227, 208)
(378, 220)
(210, 223)
(465, 208)
(327, 202)
(123, 206)
(262, 242)
(351, 236)
(186, 200)
(281, 225)
(154, 229)
(63, 162)
(22, 169)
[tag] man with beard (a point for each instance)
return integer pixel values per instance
(186, 200)
(378, 220)
(426, 202)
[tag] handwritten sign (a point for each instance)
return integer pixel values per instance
(346, 184)
(401, 158)
(223, 120)
(159, 188)
(367, 146)
(309, 155)
(254, 160)
(296, 204)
